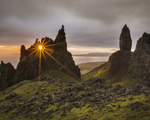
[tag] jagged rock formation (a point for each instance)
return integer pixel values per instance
(125, 39)
(28, 67)
(139, 66)
(117, 66)
(61, 38)
(124, 63)
(7, 72)
(118, 63)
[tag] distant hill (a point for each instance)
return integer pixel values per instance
(93, 54)
(87, 67)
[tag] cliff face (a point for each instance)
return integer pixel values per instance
(118, 65)
(56, 57)
(7, 72)
(139, 66)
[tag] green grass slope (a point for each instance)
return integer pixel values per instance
(102, 72)
(59, 74)
(87, 67)
(70, 100)
(115, 71)
(114, 109)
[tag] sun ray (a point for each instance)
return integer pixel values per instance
(31, 53)
(32, 48)
(36, 55)
(62, 65)
(49, 50)
(40, 66)
(44, 57)
(43, 41)
(54, 44)
(46, 43)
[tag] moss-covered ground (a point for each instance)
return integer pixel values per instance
(106, 110)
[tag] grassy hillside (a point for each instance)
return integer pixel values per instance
(58, 100)
(102, 72)
(60, 97)
(58, 74)
(87, 67)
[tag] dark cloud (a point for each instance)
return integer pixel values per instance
(88, 23)
(94, 39)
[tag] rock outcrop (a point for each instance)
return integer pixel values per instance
(139, 67)
(56, 57)
(125, 39)
(61, 38)
(125, 63)
(118, 65)
(7, 72)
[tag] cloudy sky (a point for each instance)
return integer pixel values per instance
(90, 25)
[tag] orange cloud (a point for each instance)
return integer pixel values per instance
(9, 50)
(113, 50)
(2, 46)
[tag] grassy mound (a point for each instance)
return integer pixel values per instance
(59, 74)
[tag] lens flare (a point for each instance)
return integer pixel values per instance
(40, 47)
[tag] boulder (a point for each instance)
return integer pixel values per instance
(11, 95)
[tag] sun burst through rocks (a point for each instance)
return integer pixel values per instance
(41, 49)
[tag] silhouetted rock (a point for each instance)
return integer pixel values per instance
(140, 60)
(118, 65)
(56, 54)
(7, 72)
(61, 38)
(125, 39)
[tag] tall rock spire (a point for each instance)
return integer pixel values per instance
(125, 39)
(61, 38)
(61, 35)
(23, 51)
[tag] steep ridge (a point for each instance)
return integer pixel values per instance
(139, 66)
